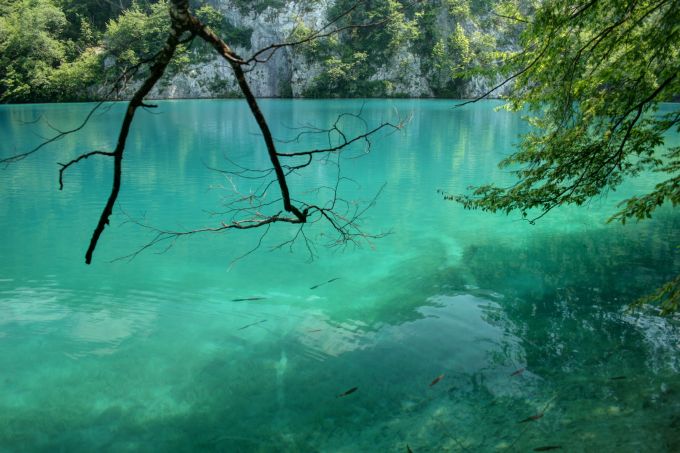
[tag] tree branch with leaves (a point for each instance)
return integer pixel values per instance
(591, 76)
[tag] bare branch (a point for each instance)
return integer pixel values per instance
(59, 136)
(179, 14)
(252, 250)
(78, 159)
(121, 80)
(162, 236)
(510, 78)
(246, 210)
(515, 18)
(323, 32)
(345, 142)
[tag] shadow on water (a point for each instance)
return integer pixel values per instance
(565, 299)
(562, 290)
(608, 266)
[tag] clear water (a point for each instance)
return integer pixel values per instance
(154, 354)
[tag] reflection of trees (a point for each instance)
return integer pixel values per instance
(564, 290)
(564, 300)
(607, 267)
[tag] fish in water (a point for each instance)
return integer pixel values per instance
(533, 418)
(348, 392)
(548, 448)
(436, 380)
(408, 449)
(253, 324)
(518, 372)
(314, 330)
(325, 283)
(247, 299)
(617, 378)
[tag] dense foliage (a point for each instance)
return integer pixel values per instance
(33, 44)
(591, 75)
(65, 50)
(446, 38)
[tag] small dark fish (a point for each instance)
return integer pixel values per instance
(325, 283)
(548, 448)
(252, 324)
(518, 372)
(437, 379)
(247, 298)
(314, 330)
(533, 418)
(617, 378)
(348, 392)
(408, 449)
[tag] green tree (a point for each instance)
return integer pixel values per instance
(458, 39)
(591, 75)
(137, 34)
(350, 58)
(49, 51)
(96, 12)
(30, 47)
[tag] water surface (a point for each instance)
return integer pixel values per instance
(155, 353)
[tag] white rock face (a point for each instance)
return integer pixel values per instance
(287, 72)
(284, 74)
(404, 76)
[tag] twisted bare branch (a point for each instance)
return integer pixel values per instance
(246, 210)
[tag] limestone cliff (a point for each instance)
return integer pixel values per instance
(291, 72)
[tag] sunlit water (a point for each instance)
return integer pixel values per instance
(155, 353)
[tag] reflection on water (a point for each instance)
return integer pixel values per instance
(181, 351)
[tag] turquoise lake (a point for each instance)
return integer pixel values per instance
(216, 344)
